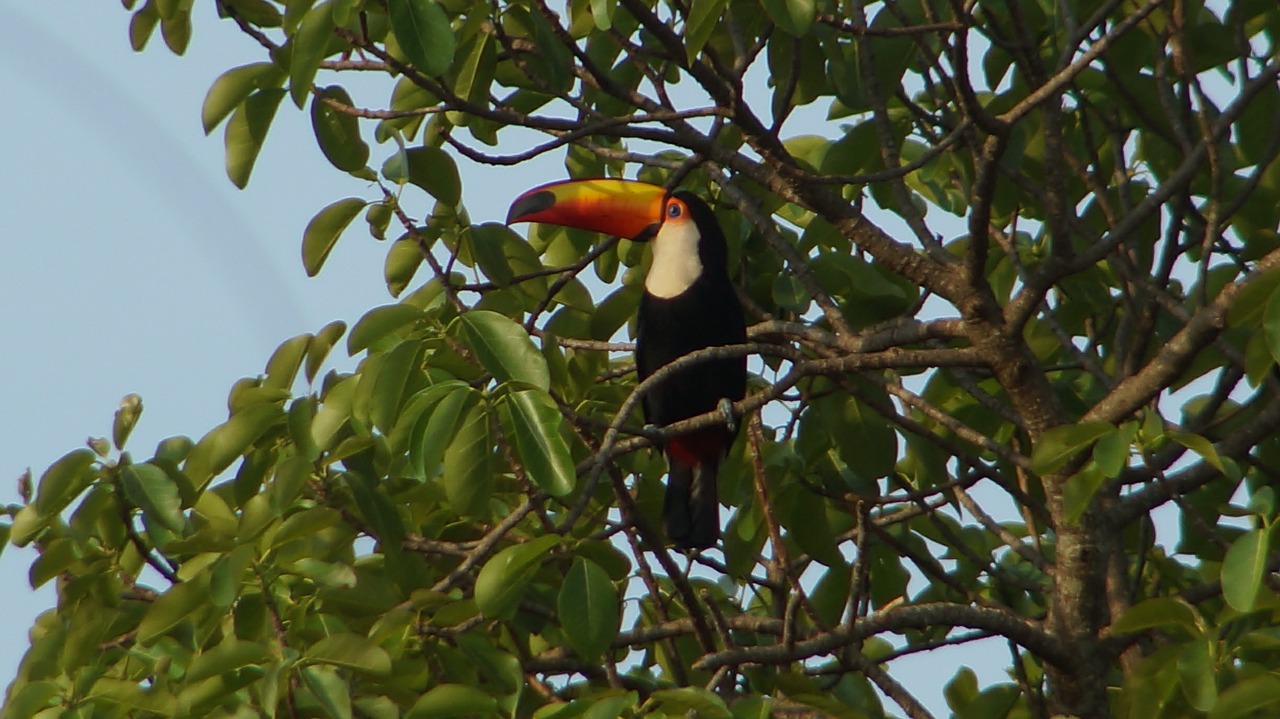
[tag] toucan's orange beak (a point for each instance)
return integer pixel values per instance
(626, 208)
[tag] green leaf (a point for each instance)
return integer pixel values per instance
(794, 17)
(27, 523)
(378, 510)
(452, 700)
(589, 609)
(422, 29)
(176, 31)
(226, 656)
(443, 407)
(229, 440)
(487, 247)
(319, 346)
(468, 463)
(247, 130)
(1196, 673)
(789, 293)
(27, 699)
(1078, 493)
(56, 557)
(1254, 303)
(434, 170)
(679, 702)
(704, 16)
(1158, 612)
(173, 607)
(330, 690)
(475, 73)
(402, 263)
(379, 322)
(155, 492)
(337, 132)
(1245, 697)
(352, 651)
(125, 420)
(63, 481)
(233, 87)
(602, 13)
(309, 44)
(504, 348)
(1206, 450)
(378, 217)
(501, 582)
(283, 366)
(1243, 569)
(323, 231)
(535, 422)
(330, 575)
(141, 25)
(391, 382)
(1058, 445)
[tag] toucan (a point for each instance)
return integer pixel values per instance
(688, 303)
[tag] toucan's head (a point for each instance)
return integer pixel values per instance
(688, 244)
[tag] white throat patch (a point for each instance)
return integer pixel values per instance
(676, 264)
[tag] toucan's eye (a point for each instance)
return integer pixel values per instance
(674, 210)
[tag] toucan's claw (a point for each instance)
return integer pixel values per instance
(726, 409)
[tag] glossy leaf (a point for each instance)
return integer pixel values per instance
(434, 170)
(535, 422)
(504, 348)
(309, 44)
(441, 409)
(1247, 697)
(283, 366)
(468, 460)
(338, 132)
(352, 651)
(704, 16)
(319, 346)
(330, 690)
(588, 608)
(323, 231)
(1196, 673)
(794, 17)
(378, 323)
(501, 582)
(247, 130)
(452, 700)
(423, 31)
(691, 699)
(1244, 568)
(225, 657)
(172, 608)
(234, 87)
(228, 441)
(64, 481)
(1058, 445)
(155, 492)
(1158, 612)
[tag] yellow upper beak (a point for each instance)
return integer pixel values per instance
(626, 208)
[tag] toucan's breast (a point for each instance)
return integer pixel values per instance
(706, 314)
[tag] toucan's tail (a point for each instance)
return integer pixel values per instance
(691, 507)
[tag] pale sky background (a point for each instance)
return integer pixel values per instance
(131, 263)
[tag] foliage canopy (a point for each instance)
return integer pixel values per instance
(1012, 273)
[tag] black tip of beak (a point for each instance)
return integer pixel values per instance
(530, 204)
